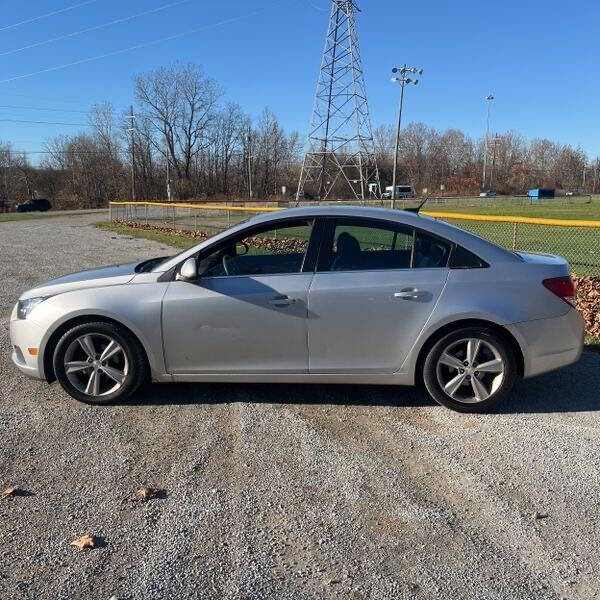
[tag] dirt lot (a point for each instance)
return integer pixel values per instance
(287, 491)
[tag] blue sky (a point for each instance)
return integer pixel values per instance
(538, 57)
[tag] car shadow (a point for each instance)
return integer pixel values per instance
(179, 394)
(573, 389)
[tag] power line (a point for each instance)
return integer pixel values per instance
(7, 95)
(94, 28)
(44, 122)
(67, 110)
(131, 48)
(74, 152)
(316, 7)
(50, 14)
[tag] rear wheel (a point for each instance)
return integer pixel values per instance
(470, 370)
(99, 363)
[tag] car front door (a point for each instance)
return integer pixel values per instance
(247, 310)
(375, 288)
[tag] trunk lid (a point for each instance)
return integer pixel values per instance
(552, 264)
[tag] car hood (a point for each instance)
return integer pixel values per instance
(98, 277)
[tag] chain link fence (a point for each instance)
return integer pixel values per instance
(577, 241)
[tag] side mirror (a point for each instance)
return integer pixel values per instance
(241, 248)
(188, 271)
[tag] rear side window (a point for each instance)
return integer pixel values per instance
(430, 252)
(362, 245)
(464, 259)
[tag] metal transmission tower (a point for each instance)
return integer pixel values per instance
(341, 153)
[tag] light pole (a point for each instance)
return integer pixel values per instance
(490, 99)
(403, 80)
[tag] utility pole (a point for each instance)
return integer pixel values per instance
(250, 162)
(403, 80)
(490, 99)
(496, 140)
(6, 167)
(131, 129)
(168, 167)
(596, 175)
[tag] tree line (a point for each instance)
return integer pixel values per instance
(185, 132)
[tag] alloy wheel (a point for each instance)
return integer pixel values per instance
(470, 370)
(96, 364)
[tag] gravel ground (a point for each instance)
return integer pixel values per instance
(287, 491)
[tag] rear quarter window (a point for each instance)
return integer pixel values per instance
(464, 259)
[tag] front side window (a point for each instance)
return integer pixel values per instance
(272, 252)
(374, 246)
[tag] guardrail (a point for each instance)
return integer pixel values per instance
(576, 240)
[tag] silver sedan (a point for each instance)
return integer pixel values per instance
(319, 295)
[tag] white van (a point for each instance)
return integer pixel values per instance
(402, 191)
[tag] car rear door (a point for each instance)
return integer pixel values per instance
(376, 286)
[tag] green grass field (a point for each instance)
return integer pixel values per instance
(170, 239)
(7, 217)
(560, 208)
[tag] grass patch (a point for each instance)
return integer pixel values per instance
(592, 343)
(170, 239)
(7, 217)
(561, 208)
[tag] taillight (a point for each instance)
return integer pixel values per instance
(563, 287)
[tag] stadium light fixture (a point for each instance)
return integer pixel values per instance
(403, 81)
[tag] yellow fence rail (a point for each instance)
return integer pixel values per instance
(512, 219)
(216, 207)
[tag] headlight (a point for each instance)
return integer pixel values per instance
(24, 307)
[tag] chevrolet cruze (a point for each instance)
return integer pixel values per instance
(319, 295)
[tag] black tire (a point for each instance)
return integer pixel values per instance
(499, 395)
(136, 357)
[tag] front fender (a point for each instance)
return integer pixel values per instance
(138, 307)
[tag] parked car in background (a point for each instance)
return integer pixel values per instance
(402, 191)
(316, 295)
(572, 193)
(34, 205)
(488, 194)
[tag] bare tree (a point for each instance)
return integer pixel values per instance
(180, 104)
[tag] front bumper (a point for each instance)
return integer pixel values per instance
(25, 334)
(550, 344)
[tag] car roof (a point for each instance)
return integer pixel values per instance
(481, 247)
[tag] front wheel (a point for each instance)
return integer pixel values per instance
(470, 370)
(99, 363)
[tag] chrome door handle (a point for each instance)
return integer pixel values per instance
(282, 301)
(412, 294)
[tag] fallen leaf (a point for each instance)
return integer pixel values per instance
(85, 541)
(145, 494)
(11, 491)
